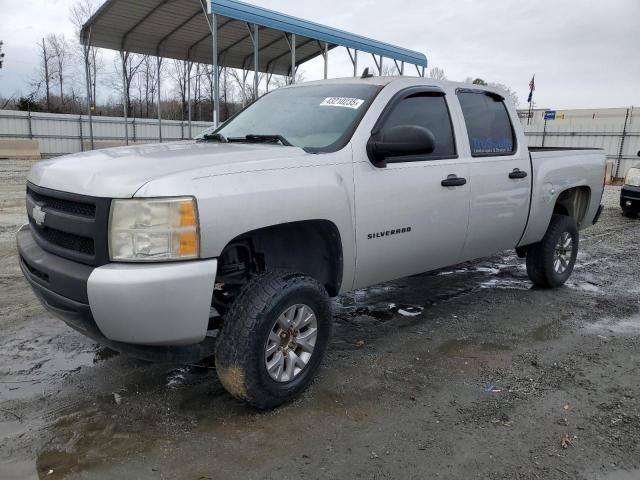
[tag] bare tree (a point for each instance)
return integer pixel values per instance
(149, 75)
(79, 13)
(1, 54)
(44, 73)
(59, 48)
(281, 81)
(180, 73)
(508, 92)
(130, 64)
(437, 73)
(226, 90)
(247, 88)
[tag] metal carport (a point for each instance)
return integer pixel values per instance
(228, 33)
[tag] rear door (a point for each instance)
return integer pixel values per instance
(407, 222)
(500, 175)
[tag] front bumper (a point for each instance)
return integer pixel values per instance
(630, 199)
(158, 311)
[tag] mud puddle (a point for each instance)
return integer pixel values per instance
(625, 326)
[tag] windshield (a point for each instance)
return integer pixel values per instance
(318, 118)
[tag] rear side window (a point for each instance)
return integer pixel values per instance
(431, 112)
(488, 124)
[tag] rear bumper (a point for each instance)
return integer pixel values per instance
(157, 312)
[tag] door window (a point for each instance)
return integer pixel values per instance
(428, 111)
(488, 124)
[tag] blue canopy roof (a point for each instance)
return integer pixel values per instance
(180, 29)
(304, 28)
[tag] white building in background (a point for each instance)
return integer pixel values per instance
(617, 130)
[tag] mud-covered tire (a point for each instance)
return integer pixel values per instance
(242, 343)
(541, 256)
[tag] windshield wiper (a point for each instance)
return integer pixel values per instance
(253, 138)
(216, 137)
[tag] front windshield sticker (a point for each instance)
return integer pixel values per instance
(354, 103)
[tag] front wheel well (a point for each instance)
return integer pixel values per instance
(311, 247)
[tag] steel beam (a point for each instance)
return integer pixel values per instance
(124, 96)
(175, 30)
(87, 73)
(398, 66)
(189, 66)
(293, 58)
(159, 60)
(354, 60)
(378, 65)
(216, 76)
(325, 54)
(141, 21)
(256, 64)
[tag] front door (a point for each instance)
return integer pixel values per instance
(407, 221)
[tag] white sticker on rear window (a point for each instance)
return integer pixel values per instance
(354, 103)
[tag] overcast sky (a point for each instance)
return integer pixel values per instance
(585, 53)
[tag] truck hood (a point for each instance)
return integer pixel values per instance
(120, 172)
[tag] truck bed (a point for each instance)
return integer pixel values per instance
(556, 169)
(559, 149)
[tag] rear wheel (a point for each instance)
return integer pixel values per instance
(273, 338)
(550, 262)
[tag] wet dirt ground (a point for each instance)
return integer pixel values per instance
(462, 373)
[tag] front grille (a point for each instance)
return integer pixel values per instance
(69, 225)
(630, 193)
(66, 240)
(67, 206)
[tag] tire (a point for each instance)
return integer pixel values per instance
(629, 214)
(542, 260)
(256, 317)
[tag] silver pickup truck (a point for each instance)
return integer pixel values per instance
(235, 242)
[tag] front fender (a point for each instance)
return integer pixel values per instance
(233, 204)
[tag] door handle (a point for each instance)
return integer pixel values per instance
(453, 181)
(517, 173)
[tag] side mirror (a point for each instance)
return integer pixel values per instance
(399, 141)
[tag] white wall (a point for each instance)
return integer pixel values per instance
(61, 134)
(602, 128)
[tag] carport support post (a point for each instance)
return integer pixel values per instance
(216, 76)
(124, 96)
(256, 65)
(326, 60)
(87, 75)
(293, 58)
(355, 63)
(354, 60)
(159, 101)
(189, 65)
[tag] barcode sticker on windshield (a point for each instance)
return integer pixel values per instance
(354, 103)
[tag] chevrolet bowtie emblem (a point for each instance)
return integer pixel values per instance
(38, 215)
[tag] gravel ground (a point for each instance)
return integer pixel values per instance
(462, 373)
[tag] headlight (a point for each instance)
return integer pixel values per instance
(154, 230)
(633, 177)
